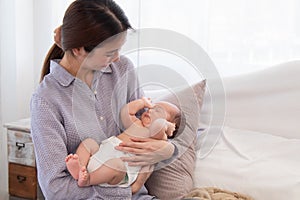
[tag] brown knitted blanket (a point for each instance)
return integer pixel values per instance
(211, 193)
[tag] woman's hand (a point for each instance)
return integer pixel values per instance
(148, 151)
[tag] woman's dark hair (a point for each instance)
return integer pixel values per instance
(87, 23)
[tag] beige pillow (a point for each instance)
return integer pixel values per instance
(174, 180)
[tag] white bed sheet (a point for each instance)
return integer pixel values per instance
(264, 166)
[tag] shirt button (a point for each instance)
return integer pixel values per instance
(101, 118)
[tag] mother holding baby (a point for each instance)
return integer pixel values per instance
(85, 62)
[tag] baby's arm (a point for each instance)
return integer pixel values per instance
(129, 110)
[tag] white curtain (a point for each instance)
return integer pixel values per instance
(239, 35)
(26, 35)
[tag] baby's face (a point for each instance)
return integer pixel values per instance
(154, 113)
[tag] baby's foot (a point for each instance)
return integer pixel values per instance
(84, 177)
(73, 165)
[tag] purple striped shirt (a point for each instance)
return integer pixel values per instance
(64, 111)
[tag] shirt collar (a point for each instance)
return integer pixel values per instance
(60, 74)
(64, 77)
(107, 70)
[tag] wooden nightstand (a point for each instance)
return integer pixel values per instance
(22, 177)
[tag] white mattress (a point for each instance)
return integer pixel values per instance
(264, 166)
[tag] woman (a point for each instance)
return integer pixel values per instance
(76, 99)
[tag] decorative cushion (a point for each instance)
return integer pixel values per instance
(174, 180)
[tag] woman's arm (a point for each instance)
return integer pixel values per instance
(50, 148)
(50, 142)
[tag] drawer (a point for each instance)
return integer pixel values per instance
(20, 148)
(22, 181)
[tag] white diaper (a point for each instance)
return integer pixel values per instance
(106, 152)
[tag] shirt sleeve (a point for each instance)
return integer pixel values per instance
(50, 143)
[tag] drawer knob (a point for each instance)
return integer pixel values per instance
(20, 145)
(21, 178)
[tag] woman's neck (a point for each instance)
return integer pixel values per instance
(74, 67)
(86, 76)
(70, 64)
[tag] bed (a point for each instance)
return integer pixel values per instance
(256, 151)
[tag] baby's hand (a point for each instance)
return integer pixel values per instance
(170, 128)
(147, 102)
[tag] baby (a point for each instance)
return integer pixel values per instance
(95, 164)
(154, 123)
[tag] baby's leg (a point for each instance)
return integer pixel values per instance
(112, 172)
(84, 151)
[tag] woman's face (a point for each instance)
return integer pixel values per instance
(104, 54)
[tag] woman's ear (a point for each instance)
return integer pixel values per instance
(78, 52)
